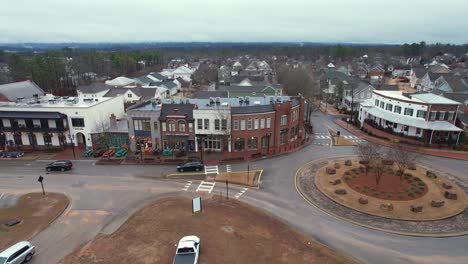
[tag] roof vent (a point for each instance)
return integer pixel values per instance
(247, 100)
(212, 101)
(218, 101)
(241, 100)
(224, 104)
(256, 102)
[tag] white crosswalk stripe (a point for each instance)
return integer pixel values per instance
(228, 168)
(187, 185)
(241, 192)
(206, 187)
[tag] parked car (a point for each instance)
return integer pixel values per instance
(12, 154)
(109, 153)
(61, 165)
(121, 153)
(88, 153)
(98, 153)
(18, 253)
(191, 166)
(188, 250)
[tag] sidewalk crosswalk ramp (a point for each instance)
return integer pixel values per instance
(206, 187)
(241, 192)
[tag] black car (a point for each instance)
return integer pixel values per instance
(190, 166)
(99, 153)
(59, 165)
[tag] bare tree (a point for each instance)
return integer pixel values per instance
(379, 167)
(222, 114)
(403, 159)
(367, 153)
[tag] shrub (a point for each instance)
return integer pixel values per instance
(406, 177)
(411, 194)
(421, 184)
(400, 196)
(417, 179)
(357, 187)
(354, 176)
(347, 173)
(347, 178)
(417, 192)
(389, 195)
(364, 191)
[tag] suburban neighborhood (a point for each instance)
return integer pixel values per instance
(224, 143)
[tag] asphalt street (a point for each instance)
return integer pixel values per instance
(104, 196)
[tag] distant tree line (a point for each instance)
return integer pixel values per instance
(59, 71)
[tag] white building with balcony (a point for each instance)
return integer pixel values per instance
(56, 121)
(422, 116)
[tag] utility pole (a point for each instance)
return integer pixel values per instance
(227, 190)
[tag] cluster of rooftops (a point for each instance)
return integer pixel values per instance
(243, 104)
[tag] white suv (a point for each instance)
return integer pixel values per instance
(18, 253)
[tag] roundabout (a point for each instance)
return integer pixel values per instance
(419, 202)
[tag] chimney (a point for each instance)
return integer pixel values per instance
(113, 120)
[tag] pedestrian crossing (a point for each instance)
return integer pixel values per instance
(324, 139)
(241, 192)
(187, 185)
(206, 187)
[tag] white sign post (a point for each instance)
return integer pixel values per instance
(196, 205)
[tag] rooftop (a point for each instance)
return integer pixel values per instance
(54, 102)
(428, 98)
(25, 89)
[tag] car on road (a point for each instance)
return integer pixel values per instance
(59, 165)
(12, 154)
(18, 253)
(188, 250)
(190, 166)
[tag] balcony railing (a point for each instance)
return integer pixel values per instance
(22, 128)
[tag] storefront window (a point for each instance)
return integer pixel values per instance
(239, 144)
(252, 143)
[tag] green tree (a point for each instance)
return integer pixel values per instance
(19, 68)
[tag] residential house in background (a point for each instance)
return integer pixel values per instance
(122, 81)
(264, 90)
(417, 73)
(95, 89)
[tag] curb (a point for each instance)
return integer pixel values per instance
(364, 225)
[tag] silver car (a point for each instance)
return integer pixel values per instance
(18, 253)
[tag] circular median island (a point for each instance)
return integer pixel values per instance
(415, 201)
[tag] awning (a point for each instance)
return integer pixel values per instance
(412, 122)
(33, 115)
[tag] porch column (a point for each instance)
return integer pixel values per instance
(196, 144)
(229, 144)
(458, 137)
(432, 133)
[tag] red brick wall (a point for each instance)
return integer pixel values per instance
(446, 108)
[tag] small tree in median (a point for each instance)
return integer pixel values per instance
(403, 159)
(368, 152)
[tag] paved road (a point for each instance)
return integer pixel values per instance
(103, 196)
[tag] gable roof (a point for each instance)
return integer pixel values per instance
(144, 79)
(120, 81)
(246, 89)
(141, 92)
(26, 89)
(95, 87)
(156, 76)
(419, 72)
(168, 84)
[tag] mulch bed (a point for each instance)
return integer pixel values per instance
(390, 187)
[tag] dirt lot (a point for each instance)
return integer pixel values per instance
(36, 212)
(241, 177)
(230, 232)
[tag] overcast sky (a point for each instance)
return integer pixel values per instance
(361, 21)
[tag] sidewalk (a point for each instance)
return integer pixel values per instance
(451, 154)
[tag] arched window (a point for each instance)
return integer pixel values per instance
(171, 126)
(181, 126)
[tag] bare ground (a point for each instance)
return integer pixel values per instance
(36, 211)
(230, 232)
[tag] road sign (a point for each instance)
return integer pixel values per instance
(41, 179)
(196, 205)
